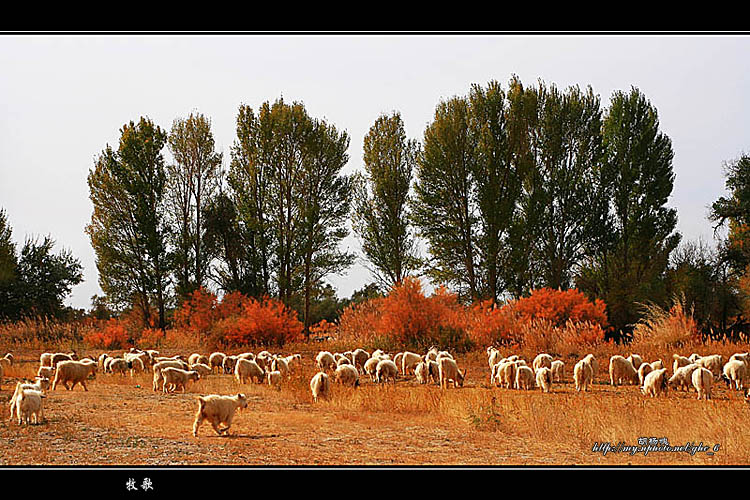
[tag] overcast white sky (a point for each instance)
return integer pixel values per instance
(64, 98)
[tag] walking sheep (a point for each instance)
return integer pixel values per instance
(703, 379)
(175, 378)
(583, 375)
(218, 410)
(320, 385)
(74, 372)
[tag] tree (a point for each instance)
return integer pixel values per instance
(638, 176)
(192, 181)
(128, 229)
(380, 215)
(734, 211)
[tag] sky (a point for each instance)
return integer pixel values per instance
(64, 98)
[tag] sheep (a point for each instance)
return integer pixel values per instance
(293, 360)
(344, 361)
(320, 385)
(247, 369)
(702, 379)
(119, 365)
(712, 363)
(591, 360)
(371, 367)
(73, 371)
(420, 372)
(433, 371)
(544, 379)
(741, 356)
(441, 355)
(325, 361)
(655, 382)
(273, 378)
(506, 373)
(583, 375)
(386, 371)
(558, 370)
(679, 362)
(347, 375)
(216, 360)
(142, 357)
(621, 370)
(263, 360)
(158, 367)
(29, 403)
(40, 385)
(681, 378)
(61, 356)
(735, 370)
(397, 359)
(542, 360)
(175, 378)
(409, 361)
(694, 357)
(359, 358)
(432, 354)
(137, 365)
(524, 377)
(46, 371)
(493, 356)
(280, 364)
(102, 358)
(635, 360)
(202, 369)
(218, 410)
(229, 364)
(449, 372)
(643, 371)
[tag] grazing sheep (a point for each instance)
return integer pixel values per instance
(73, 371)
(292, 361)
(712, 363)
(359, 358)
(217, 410)
(409, 362)
(524, 377)
(29, 403)
(274, 379)
(621, 370)
(544, 379)
(175, 378)
(421, 373)
(644, 370)
(202, 369)
(542, 360)
(397, 359)
(320, 385)
(46, 371)
(246, 355)
(118, 365)
(280, 364)
(347, 375)
(448, 372)
(229, 364)
(506, 373)
(432, 354)
(735, 371)
(635, 360)
(679, 362)
(325, 361)
(682, 377)
(386, 371)
(702, 379)
(344, 361)
(216, 360)
(558, 370)
(371, 367)
(591, 360)
(583, 375)
(655, 382)
(247, 369)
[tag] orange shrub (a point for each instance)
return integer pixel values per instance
(559, 307)
(151, 337)
(261, 322)
(114, 335)
(198, 312)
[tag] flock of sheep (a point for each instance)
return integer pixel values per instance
(439, 367)
(696, 371)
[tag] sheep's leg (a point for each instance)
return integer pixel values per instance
(197, 423)
(216, 427)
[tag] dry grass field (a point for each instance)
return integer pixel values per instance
(122, 421)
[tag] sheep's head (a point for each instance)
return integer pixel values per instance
(461, 377)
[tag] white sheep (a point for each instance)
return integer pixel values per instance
(591, 360)
(273, 378)
(347, 375)
(542, 360)
(29, 404)
(371, 366)
(558, 370)
(703, 379)
(735, 371)
(524, 377)
(158, 367)
(73, 371)
(202, 369)
(621, 370)
(544, 379)
(175, 378)
(325, 361)
(217, 409)
(247, 369)
(682, 377)
(420, 372)
(635, 360)
(448, 372)
(280, 364)
(505, 374)
(40, 385)
(409, 362)
(229, 364)
(359, 358)
(216, 360)
(712, 363)
(320, 385)
(655, 382)
(583, 375)
(493, 356)
(643, 371)
(679, 362)
(386, 371)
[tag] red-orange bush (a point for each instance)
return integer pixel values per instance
(198, 312)
(559, 307)
(114, 335)
(261, 322)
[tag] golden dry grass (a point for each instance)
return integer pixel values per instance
(121, 421)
